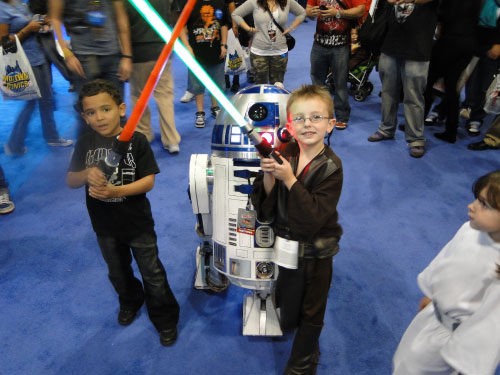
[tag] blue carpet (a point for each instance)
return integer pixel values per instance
(58, 310)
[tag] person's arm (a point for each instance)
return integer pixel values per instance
(494, 52)
(56, 8)
(312, 11)
(243, 10)
(223, 45)
(125, 68)
(352, 13)
(299, 13)
(22, 34)
(231, 7)
(184, 39)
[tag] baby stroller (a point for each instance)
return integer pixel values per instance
(363, 60)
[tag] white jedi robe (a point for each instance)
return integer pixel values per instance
(464, 335)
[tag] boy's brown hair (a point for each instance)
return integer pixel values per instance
(311, 92)
(99, 86)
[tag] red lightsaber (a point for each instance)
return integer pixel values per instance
(120, 145)
(142, 102)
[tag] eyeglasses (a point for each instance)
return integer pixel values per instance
(299, 120)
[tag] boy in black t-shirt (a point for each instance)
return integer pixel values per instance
(120, 212)
(205, 36)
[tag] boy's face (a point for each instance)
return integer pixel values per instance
(103, 114)
(483, 217)
(308, 133)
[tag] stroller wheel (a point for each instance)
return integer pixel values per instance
(363, 92)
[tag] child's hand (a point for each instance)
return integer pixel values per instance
(95, 177)
(282, 172)
(423, 303)
(104, 192)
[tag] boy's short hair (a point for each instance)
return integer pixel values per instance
(311, 92)
(99, 86)
(491, 181)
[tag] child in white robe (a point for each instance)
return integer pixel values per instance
(457, 330)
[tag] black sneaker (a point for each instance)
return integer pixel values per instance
(168, 336)
(126, 317)
(215, 111)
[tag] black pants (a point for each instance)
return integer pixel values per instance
(301, 295)
(162, 306)
(450, 57)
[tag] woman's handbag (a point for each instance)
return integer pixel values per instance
(290, 40)
(18, 80)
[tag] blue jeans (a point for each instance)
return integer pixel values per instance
(216, 72)
(46, 108)
(162, 306)
(412, 75)
(337, 60)
(4, 186)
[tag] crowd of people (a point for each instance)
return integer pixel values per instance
(110, 43)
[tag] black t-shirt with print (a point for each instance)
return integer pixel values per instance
(120, 217)
(410, 31)
(204, 30)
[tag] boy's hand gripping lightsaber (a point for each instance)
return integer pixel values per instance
(121, 144)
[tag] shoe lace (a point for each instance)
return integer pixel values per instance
(4, 198)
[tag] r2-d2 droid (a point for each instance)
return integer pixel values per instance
(235, 247)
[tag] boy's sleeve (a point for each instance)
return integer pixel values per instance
(77, 163)
(145, 159)
(308, 211)
(264, 204)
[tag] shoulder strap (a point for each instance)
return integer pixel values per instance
(342, 5)
(276, 23)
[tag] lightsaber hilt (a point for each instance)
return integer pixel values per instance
(261, 144)
(117, 152)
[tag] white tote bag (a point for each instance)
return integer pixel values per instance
(18, 80)
(235, 57)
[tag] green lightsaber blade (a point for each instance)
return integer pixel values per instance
(157, 23)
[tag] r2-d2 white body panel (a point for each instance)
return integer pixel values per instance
(220, 188)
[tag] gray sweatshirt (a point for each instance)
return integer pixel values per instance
(262, 18)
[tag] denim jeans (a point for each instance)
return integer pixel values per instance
(412, 76)
(4, 186)
(162, 306)
(337, 60)
(216, 72)
(46, 109)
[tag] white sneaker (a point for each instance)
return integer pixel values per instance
(474, 127)
(6, 205)
(187, 97)
(172, 149)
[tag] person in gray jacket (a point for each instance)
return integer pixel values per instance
(269, 51)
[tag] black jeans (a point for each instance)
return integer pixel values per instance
(162, 306)
(301, 295)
